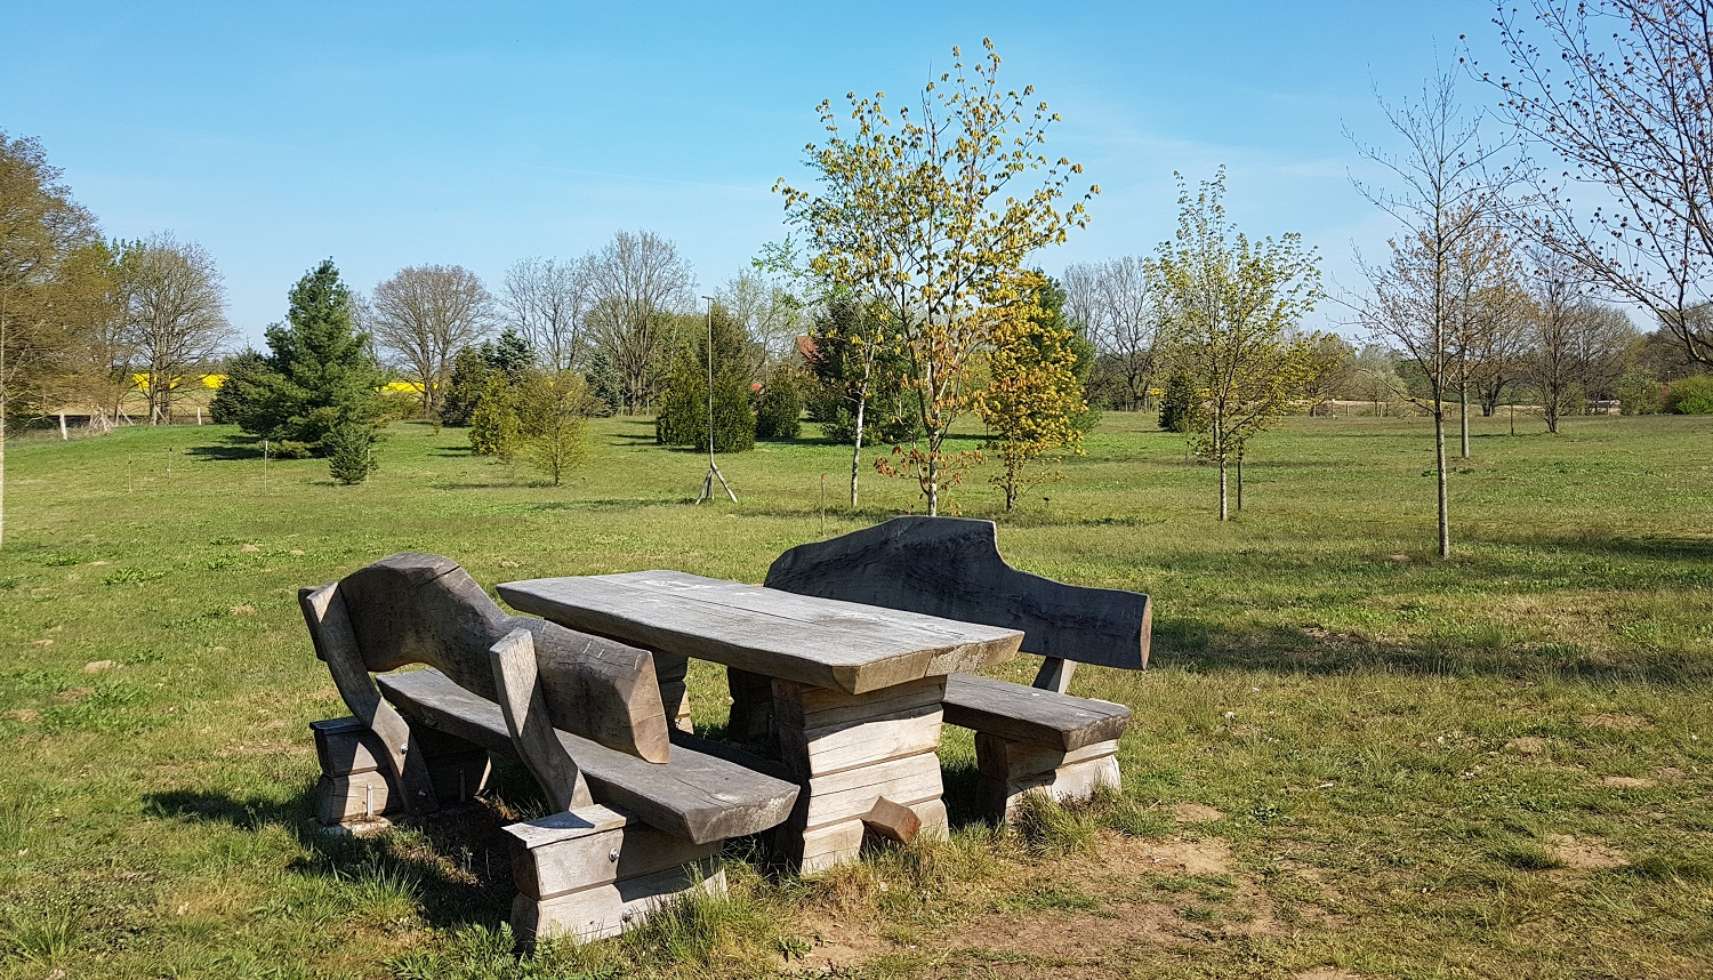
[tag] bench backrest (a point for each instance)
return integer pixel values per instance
(950, 567)
(424, 609)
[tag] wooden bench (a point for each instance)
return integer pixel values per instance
(638, 820)
(1028, 739)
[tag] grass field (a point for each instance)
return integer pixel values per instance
(1348, 759)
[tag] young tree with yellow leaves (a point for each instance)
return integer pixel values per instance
(1033, 399)
(932, 217)
(1238, 303)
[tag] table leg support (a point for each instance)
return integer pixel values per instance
(852, 752)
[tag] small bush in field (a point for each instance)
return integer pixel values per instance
(1691, 396)
(779, 410)
(351, 453)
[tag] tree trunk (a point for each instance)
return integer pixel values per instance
(933, 479)
(1222, 511)
(1463, 416)
(1240, 482)
(856, 450)
(1439, 473)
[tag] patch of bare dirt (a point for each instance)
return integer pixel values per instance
(1616, 722)
(71, 694)
(1669, 774)
(1582, 854)
(26, 715)
(1195, 813)
(243, 609)
(1191, 857)
(1627, 782)
(1528, 745)
(98, 666)
(1327, 973)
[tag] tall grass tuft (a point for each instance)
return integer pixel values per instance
(38, 935)
(1049, 828)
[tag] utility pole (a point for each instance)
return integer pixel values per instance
(713, 467)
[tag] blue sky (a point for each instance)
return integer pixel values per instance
(478, 134)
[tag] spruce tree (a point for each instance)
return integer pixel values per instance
(319, 373)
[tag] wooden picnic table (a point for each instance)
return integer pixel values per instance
(856, 689)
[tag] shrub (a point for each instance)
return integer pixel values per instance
(552, 408)
(683, 418)
(351, 452)
(779, 410)
(290, 449)
(495, 428)
(1177, 405)
(1639, 394)
(1691, 396)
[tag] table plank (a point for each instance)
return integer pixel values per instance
(819, 642)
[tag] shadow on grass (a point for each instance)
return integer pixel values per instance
(229, 448)
(457, 869)
(1202, 645)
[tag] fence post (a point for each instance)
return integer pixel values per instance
(62, 434)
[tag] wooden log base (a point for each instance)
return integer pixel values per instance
(595, 872)
(1011, 770)
(869, 767)
(357, 791)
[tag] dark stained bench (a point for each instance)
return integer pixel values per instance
(638, 818)
(1036, 738)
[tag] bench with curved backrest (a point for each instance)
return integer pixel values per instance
(636, 819)
(1028, 739)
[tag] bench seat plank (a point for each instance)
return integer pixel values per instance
(1029, 714)
(693, 795)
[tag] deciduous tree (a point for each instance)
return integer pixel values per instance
(932, 215)
(1121, 304)
(1033, 397)
(1618, 92)
(548, 301)
(639, 281)
(175, 313)
(1238, 302)
(424, 315)
(1444, 191)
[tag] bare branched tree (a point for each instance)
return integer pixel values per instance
(548, 301)
(1600, 345)
(1559, 302)
(426, 314)
(1479, 271)
(1619, 92)
(1443, 191)
(639, 283)
(771, 315)
(175, 313)
(1127, 320)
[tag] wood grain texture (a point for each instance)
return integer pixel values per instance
(533, 737)
(1029, 714)
(608, 910)
(861, 757)
(592, 845)
(330, 630)
(894, 822)
(424, 609)
(694, 795)
(951, 567)
(819, 642)
(362, 796)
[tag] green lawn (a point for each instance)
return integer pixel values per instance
(1348, 758)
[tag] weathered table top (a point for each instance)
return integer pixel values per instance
(820, 642)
